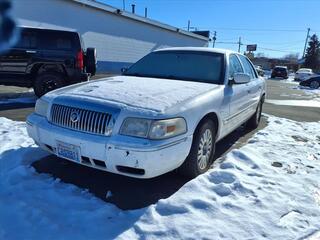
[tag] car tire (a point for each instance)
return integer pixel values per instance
(202, 151)
(314, 84)
(254, 121)
(46, 82)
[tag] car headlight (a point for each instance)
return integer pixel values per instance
(136, 127)
(153, 129)
(167, 128)
(41, 107)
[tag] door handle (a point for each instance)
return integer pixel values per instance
(31, 51)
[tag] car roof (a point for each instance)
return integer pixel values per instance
(305, 69)
(47, 29)
(198, 49)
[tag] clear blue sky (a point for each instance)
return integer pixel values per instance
(279, 25)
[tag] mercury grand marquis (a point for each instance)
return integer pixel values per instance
(165, 112)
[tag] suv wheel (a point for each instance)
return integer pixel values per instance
(47, 82)
(314, 84)
(202, 151)
(254, 121)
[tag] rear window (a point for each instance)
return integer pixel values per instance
(57, 40)
(280, 69)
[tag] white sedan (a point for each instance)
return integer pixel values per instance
(304, 74)
(167, 111)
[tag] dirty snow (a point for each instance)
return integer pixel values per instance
(268, 189)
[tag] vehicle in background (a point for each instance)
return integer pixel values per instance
(47, 59)
(303, 74)
(313, 82)
(259, 70)
(280, 72)
(151, 121)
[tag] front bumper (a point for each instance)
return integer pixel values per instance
(123, 155)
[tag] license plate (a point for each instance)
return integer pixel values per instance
(68, 151)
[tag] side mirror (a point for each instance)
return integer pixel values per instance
(240, 78)
(124, 69)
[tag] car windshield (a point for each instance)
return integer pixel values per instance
(181, 65)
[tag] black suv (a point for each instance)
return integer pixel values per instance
(279, 71)
(47, 59)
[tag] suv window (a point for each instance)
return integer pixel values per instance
(56, 41)
(28, 40)
(234, 66)
(248, 69)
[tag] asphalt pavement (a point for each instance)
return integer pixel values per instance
(130, 193)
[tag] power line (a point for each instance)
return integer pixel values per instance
(258, 29)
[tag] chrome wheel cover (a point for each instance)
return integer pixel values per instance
(205, 149)
(314, 84)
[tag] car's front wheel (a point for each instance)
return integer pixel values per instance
(314, 84)
(202, 151)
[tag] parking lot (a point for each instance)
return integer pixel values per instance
(17, 103)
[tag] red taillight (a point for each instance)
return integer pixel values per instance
(79, 62)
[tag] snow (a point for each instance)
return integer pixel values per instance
(268, 189)
(141, 92)
(313, 93)
(300, 103)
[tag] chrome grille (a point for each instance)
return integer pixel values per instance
(81, 119)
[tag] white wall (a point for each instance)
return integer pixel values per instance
(119, 41)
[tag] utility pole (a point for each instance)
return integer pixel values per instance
(145, 12)
(188, 25)
(214, 38)
(239, 48)
(305, 45)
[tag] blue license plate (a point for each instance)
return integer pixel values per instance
(68, 151)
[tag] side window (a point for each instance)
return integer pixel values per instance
(248, 69)
(27, 40)
(234, 66)
(51, 40)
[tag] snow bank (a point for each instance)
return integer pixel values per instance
(268, 189)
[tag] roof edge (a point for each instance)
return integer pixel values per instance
(113, 10)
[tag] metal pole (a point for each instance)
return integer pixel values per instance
(188, 25)
(124, 5)
(305, 45)
(214, 38)
(239, 48)
(145, 12)
(133, 8)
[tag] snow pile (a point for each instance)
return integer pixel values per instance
(268, 189)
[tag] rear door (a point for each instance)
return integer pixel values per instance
(59, 47)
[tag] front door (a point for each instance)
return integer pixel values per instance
(238, 95)
(14, 63)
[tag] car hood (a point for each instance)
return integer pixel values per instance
(152, 94)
